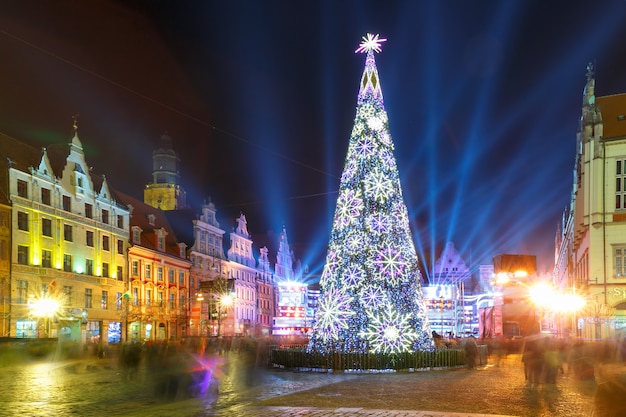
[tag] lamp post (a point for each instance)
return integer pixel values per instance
(225, 300)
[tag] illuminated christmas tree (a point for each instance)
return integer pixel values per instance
(370, 289)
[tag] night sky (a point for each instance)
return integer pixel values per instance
(483, 98)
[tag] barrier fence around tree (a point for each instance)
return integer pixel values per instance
(299, 358)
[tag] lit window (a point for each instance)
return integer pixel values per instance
(619, 254)
(620, 184)
(87, 297)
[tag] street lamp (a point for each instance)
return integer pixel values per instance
(45, 308)
(225, 301)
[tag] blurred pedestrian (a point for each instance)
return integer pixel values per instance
(471, 352)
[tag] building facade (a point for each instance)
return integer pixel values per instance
(68, 244)
(590, 254)
(156, 304)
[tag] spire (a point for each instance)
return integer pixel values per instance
(370, 83)
(589, 97)
(75, 141)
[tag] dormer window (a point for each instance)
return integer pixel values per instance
(136, 235)
(161, 233)
(151, 219)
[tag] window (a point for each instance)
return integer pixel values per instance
(120, 273)
(67, 232)
(105, 300)
(45, 196)
(135, 296)
(105, 269)
(620, 184)
(22, 291)
(172, 276)
(46, 227)
(105, 216)
(22, 255)
(118, 300)
(172, 301)
(120, 221)
(160, 242)
(22, 188)
(67, 203)
(159, 299)
(87, 297)
(182, 302)
(136, 235)
(22, 221)
(619, 254)
(135, 268)
(181, 278)
(88, 211)
(89, 266)
(67, 295)
(160, 274)
(120, 246)
(89, 238)
(105, 243)
(67, 263)
(148, 271)
(46, 258)
(148, 297)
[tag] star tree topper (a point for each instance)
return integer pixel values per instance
(370, 43)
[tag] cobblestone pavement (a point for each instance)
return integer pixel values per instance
(95, 387)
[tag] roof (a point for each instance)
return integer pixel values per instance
(613, 110)
(140, 216)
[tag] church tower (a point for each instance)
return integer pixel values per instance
(165, 192)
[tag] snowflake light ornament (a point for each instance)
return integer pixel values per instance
(370, 43)
(333, 313)
(390, 332)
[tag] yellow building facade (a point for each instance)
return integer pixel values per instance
(68, 243)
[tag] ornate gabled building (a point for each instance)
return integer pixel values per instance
(590, 254)
(451, 269)
(291, 310)
(242, 269)
(158, 287)
(204, 237)
(69, 234)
